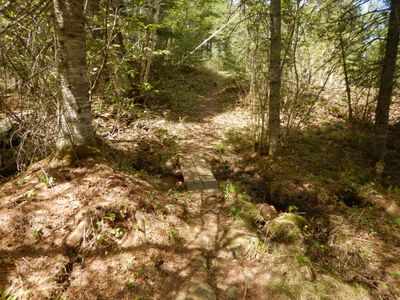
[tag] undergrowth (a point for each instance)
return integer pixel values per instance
(148, 156)
(323, 174)
(179, 88)
(240, 205)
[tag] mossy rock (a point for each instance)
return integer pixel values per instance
(81, 152)
(287, 228)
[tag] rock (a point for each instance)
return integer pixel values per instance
(287, 228)
(76, 236)
(267, 211)
(140, 221)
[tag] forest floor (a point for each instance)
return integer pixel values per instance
(307, 224)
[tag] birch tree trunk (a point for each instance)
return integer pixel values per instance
(386, 83)
(74, 105)
(275, 78)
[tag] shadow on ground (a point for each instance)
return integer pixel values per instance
(193, 94)
(137, 242)
(325, 173)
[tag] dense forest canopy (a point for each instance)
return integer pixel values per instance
(207, 134)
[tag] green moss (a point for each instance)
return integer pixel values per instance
(241, 206)
(81, 152)
(287, 228)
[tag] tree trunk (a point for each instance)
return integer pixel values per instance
(123, 80)
(275, 78)
(151, 43)
(386, 83)
(74, 105)
(346, 79)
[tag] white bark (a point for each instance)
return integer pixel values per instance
(74, 105)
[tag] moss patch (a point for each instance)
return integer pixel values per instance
(82, 152)
(287, 228)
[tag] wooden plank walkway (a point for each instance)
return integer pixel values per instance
(197, 174)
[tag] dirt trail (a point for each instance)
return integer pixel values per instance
(213, 235)
(206, 127)
(219, 246)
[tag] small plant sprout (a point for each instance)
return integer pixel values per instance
(6, 296)
(140, 271)
(395, 222)
(30, 194)
(222, 148)
(293, 209)
(147, 87)
(37, 233)
(123, 212)
(229, 189)
(101, 238)
(130, 264)
(119, 232)
(261, 247)
(22, 181)
(45, 179)
(173, 234)
(111, 216)
(129, 283)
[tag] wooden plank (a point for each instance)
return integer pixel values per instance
(190, 176)
(197, 175)
(205, 174)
